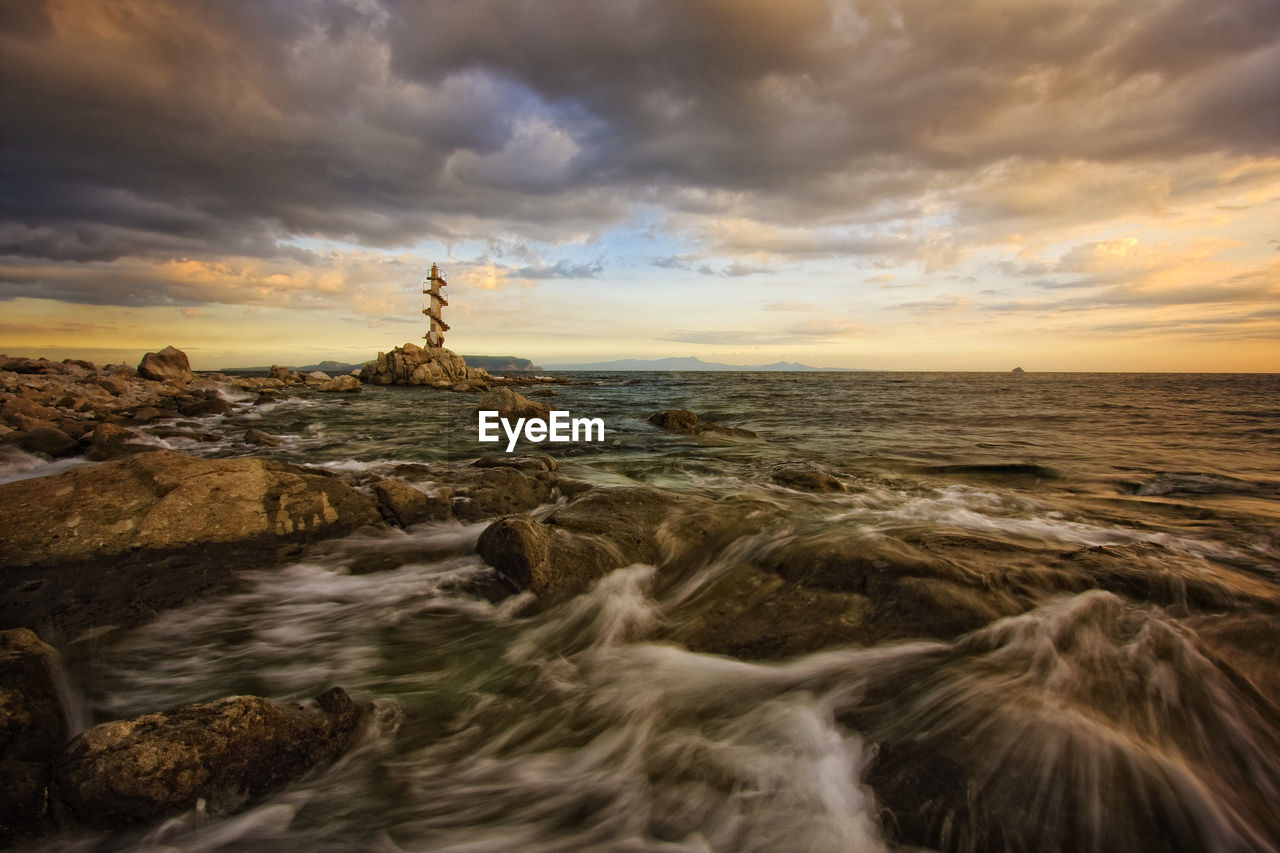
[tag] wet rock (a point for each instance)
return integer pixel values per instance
(911, 594)
(844, 564)
(47, 441)
(206, 406)
(629, 516)
(110, 544)
(676, 420)
(33, 729)
(111, 441)
(552, 563)
(270, 396)
(147, 414)
(1147, 571)
(752, 614)
(517, 547)
(168, 365)
(1247, 645)
(74, 428)
(317, 378)
(162, 499)
(1047, 732)
(340, 384)
(686, 422)
(258, 438)
(535, 464)
(228, 753)
(810, 592)
(403, 505)
(806, 477)
(511, 405)
(489, 492)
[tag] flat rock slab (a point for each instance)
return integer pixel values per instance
(163, 500)
(111, 544)
(227, 753)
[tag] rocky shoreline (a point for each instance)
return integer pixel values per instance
(65, 408)
(91, 551)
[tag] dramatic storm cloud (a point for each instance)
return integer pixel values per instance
(878, 184)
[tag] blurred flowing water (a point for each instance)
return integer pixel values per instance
(1076, 724)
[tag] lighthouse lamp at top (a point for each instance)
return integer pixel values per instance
(435, 301)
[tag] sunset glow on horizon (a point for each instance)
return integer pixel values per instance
(869, 185)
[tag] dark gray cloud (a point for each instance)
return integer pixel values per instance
(159, 130)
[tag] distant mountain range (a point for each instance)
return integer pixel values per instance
(501, 363)
(512, 364)
(685, 363)
(333, 368)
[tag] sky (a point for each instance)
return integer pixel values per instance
(890, 184)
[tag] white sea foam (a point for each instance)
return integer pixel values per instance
(1004, 515)
(16, 464)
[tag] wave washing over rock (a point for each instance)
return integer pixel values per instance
(768, 613)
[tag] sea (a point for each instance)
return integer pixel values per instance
(1123, 697)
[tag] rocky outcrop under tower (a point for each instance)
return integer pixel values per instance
(436, 366)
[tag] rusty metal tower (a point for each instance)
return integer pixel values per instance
(435, 301)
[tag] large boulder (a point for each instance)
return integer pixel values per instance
(818, 588)
(284, 374)
(686, 422)
(161, 499)
(111, 441)
(488, 492)
(203, 405)
(45, 440)
(508, 404)
(112, 543)
(675, 420)
(258, 438)
(553, 564)
(629, 516)
(33, 729)
(227, 753)
(403, 505)
(805, 477)
(168, 365)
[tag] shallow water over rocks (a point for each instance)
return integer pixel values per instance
(1038, 613)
